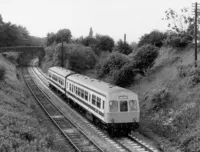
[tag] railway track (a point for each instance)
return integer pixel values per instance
(127, 143)
(71, 132)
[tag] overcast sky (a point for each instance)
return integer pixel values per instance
(106, 17)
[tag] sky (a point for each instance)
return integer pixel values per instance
(106, 17)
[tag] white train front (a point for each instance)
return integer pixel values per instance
(112, 107)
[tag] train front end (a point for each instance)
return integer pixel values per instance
(123, 111)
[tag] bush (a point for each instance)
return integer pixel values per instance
(113, 62)
(145, 57)
(80, 58)
(125, 76)
(159, 99)
(2, 73)
(154, 38)
(177, 40)
(123, 47)
(192, 74)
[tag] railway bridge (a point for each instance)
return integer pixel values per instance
(26, 53)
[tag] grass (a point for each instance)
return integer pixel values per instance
(20, 131)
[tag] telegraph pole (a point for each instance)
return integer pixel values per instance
(62, 64)
(195, 31)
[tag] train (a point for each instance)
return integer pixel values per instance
(112, 107)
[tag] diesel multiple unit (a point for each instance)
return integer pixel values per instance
(112, 107)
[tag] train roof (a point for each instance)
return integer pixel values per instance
(61, 71)
(99, 86)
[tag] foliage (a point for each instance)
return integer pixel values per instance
(177, 40)
(111, 63)
(178, 23)
(80, 58)
(123, 47)
(91, 32)
(161, 98)
(192, 74)
(104, 42)
(64, 34)
(2, 72)
(145, 57)
(125, 76)
(154, 38)
(12, 35)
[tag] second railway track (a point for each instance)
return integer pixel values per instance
(73, 134)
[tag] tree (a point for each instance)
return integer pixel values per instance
(178, 23)
(154, 38)
(64, 34)
(104, 42)
(51, 38)
(91, 32)
(145, 57)
(123, 47)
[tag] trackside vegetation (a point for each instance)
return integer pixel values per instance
(20, 129)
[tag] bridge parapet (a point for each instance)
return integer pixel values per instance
(26, 53)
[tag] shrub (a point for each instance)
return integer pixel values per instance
(2, 73)
(145, 57)
(125, 76)
(184, 70)
(123, 47)
(177, 40)
(160, 99)
(80, 58)
(110, 64)
(154, 38)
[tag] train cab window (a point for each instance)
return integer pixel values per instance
(123, 106)
(86, 95)
(94, 99)
(113, 106)
(98, 102)
(132, 105)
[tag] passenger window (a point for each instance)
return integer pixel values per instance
(103, 104)
(123, 106)
(76, 90)
(72, 88)
(93, 99)
(82, 93)
(132, 105)
(79, 92)
(89, 97)
(86, 95)
(113, 106)
(98, 102)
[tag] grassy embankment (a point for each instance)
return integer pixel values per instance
(20, 128)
